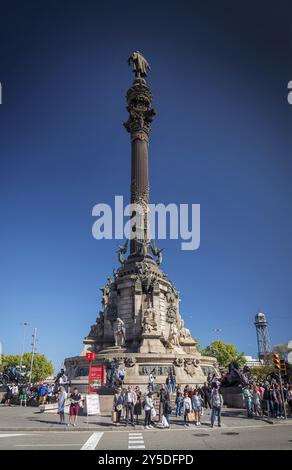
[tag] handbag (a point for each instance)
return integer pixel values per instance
(153, 412)
(164, 422)
(192, 416)
(114, 416)
(119, 407)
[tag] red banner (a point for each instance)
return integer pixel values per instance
(96, 378)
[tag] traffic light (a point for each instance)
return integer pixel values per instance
(283, 367)
(276, 361)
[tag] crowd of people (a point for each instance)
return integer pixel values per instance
(44, 393)
(267, 399)
(40, 393)
(154, 408)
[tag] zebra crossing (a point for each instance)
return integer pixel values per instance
(136, 440)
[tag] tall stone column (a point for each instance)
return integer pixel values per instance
(139, 98)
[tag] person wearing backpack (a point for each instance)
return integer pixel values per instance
(216, 404)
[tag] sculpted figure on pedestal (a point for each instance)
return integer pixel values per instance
(171, 313)
(119, 332)
(147, 278)
(143, 247)
(139, 64)
(122, 250)
(184, 332)
(149, 323)
(173, 339)
(156, 252)
(105, 292)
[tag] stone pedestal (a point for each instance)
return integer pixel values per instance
(151, 344)
(147, 306)
(232, 397)
(187, 369)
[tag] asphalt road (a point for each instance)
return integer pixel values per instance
(276, 436)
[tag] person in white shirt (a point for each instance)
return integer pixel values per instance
(63, 381)
(216, 404)
(61, 404)
(50, 393)
(187, 408)
(148, 406)
(14, 390)
(130, 399)
(151, 382)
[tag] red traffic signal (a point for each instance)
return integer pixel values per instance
(90, 356)
(276, 361)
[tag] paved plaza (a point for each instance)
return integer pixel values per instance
(27, 428)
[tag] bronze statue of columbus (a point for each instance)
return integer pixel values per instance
(139, 64)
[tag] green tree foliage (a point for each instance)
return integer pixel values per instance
(42, 367)
(224, 353)
(260, 373)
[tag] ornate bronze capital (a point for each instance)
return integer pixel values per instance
(139, 98)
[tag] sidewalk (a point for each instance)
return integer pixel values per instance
(30, 419)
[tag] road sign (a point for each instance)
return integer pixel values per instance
(90, 356)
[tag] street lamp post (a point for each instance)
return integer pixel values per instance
(32, 352)
(25, 324)
(217, 331)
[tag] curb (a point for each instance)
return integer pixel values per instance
(57, 428)
(54, 429)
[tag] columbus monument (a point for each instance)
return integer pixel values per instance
(139, 328)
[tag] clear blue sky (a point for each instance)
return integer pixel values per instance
(222, 138)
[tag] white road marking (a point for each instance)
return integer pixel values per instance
(92, 442)
(135, 440)
(13, 435)
(45, 445)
